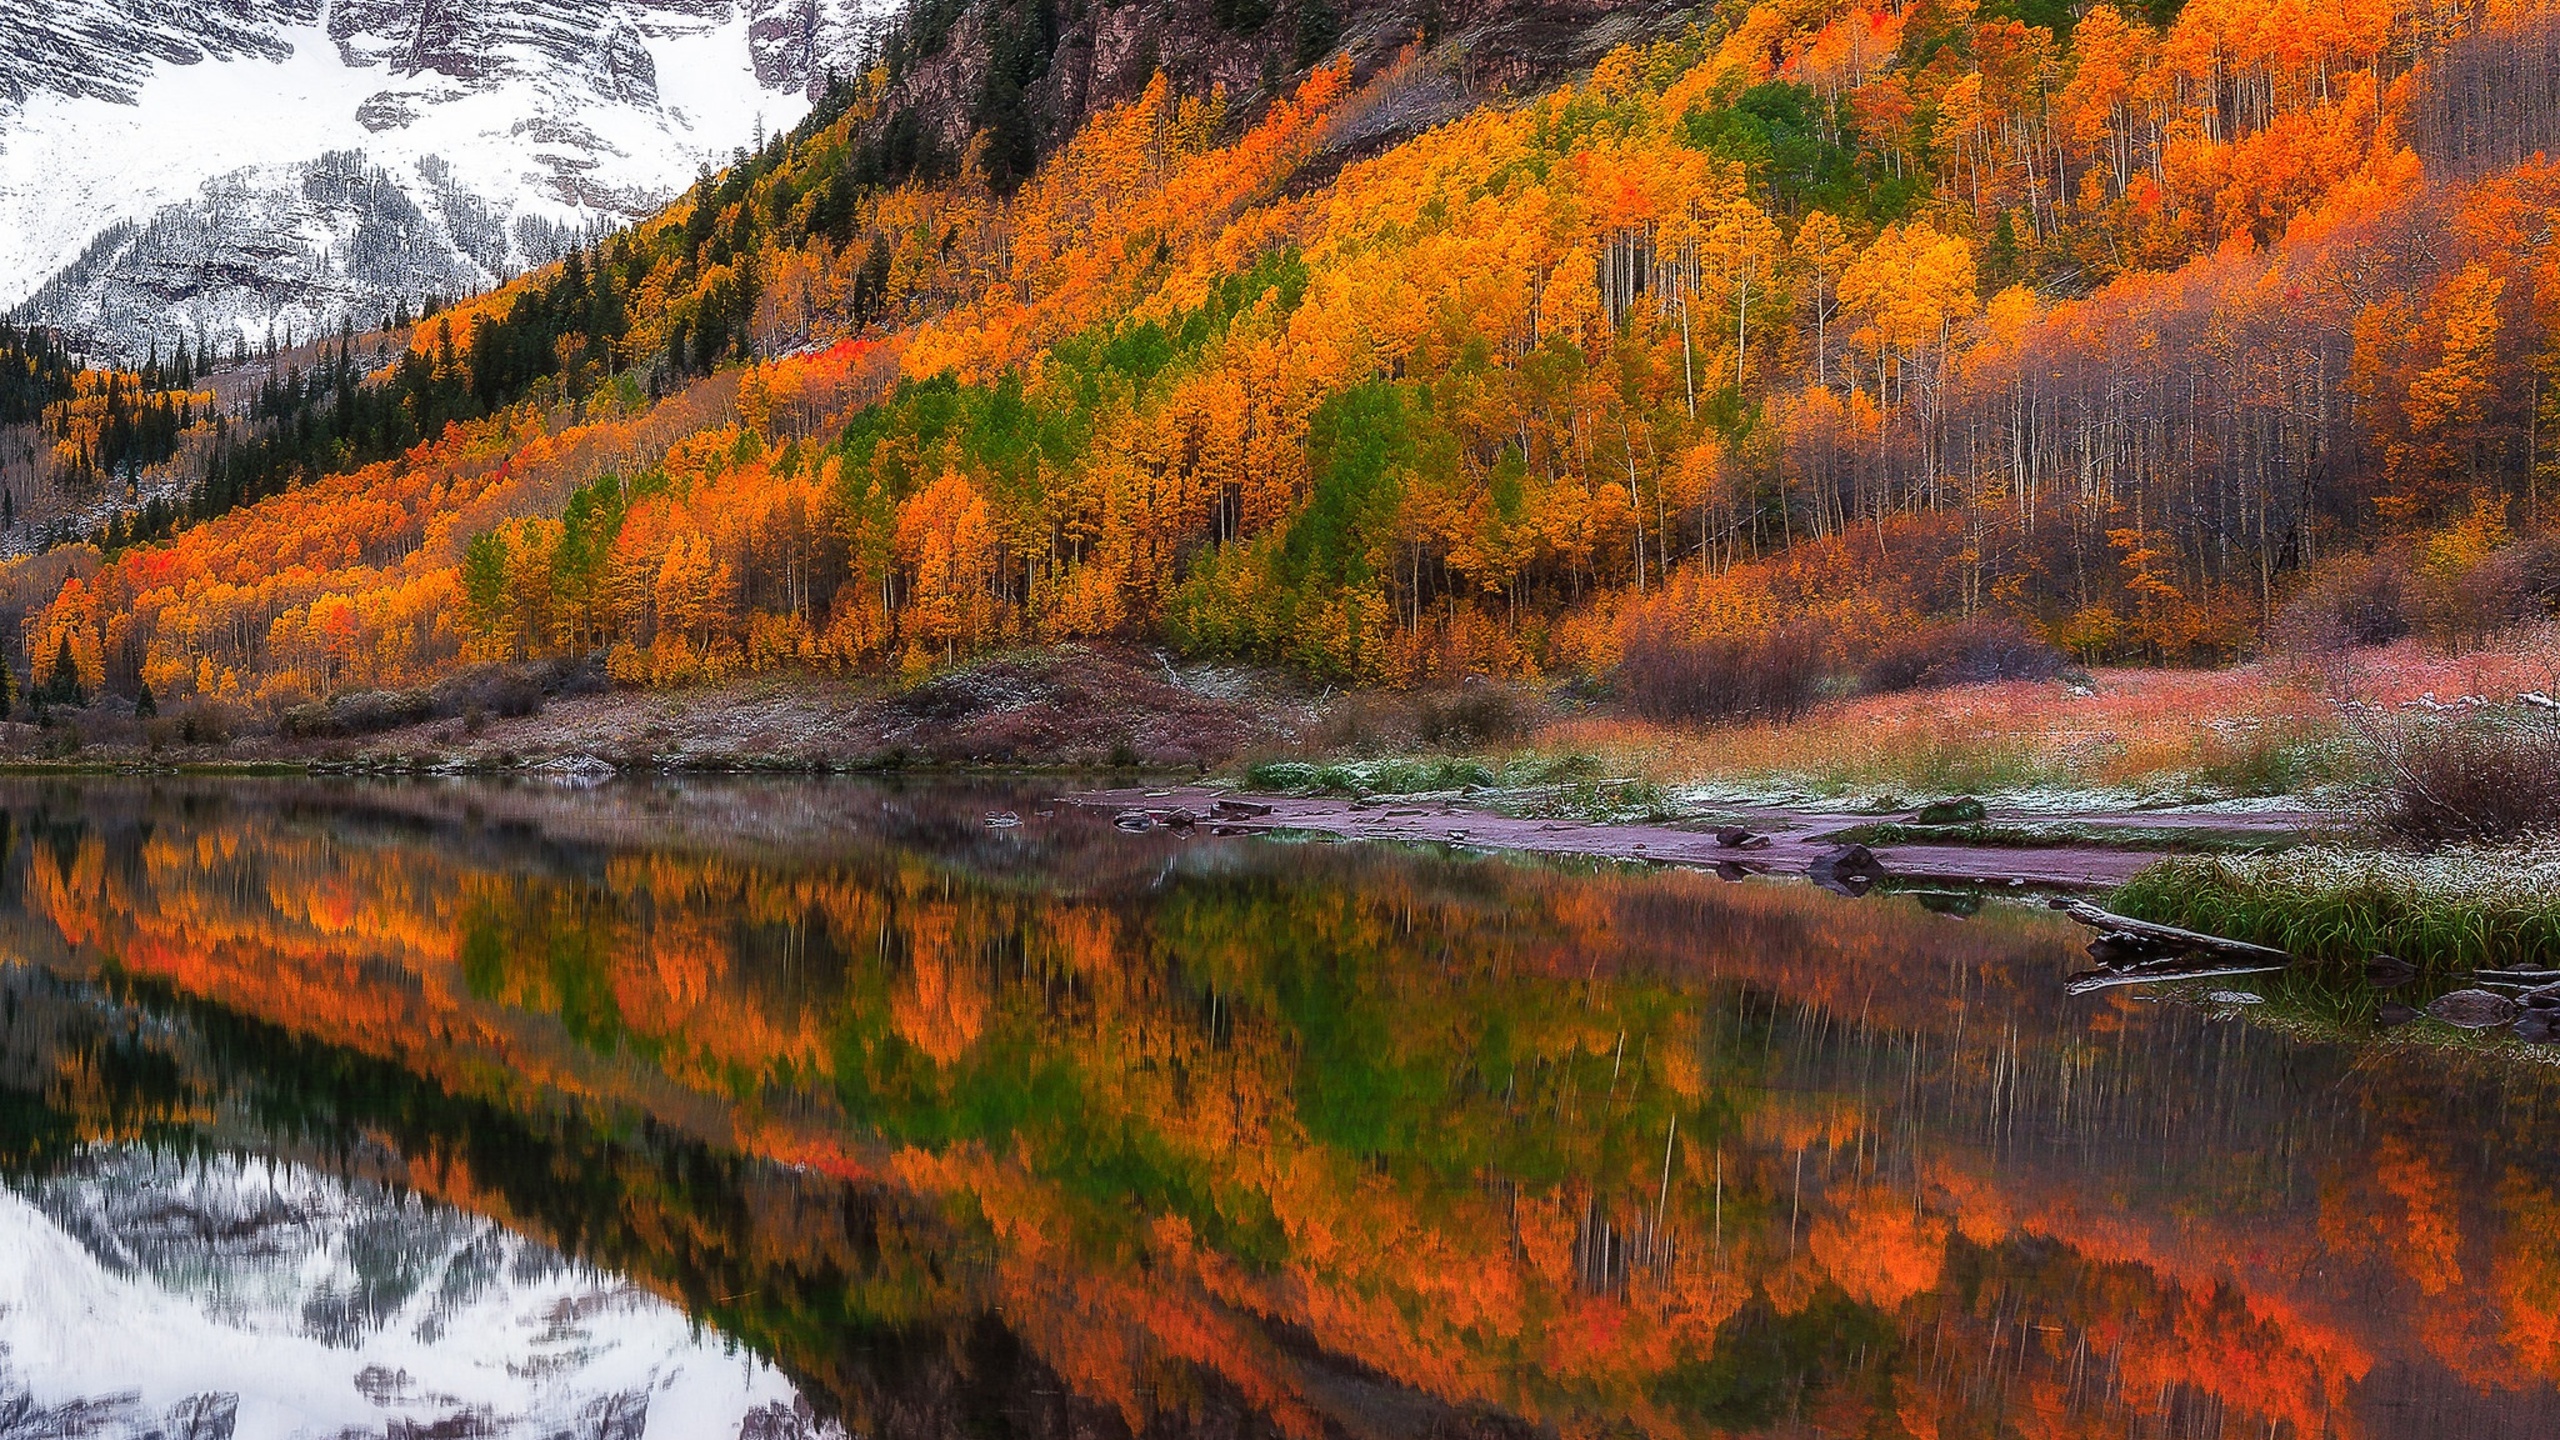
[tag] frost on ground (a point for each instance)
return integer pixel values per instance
(2468, 875)
(149, 1294)
(2459, 906)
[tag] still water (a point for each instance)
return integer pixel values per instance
(795, 1109)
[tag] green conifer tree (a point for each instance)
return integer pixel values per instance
(62, 687)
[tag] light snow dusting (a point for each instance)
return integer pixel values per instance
(215, 171)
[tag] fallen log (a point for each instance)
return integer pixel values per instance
(2115, 951)
(2088, 980)
(2110, 924)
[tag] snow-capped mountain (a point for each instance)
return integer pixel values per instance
(148, 1295)
(211, 168)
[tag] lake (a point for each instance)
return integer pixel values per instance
(790, 1108)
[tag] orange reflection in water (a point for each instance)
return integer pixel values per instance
(1347, 1138)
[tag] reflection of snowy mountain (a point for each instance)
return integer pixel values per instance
(189, 167)
(144, 1295)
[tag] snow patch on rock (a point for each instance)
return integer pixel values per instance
(157, 162)
(149, 1294)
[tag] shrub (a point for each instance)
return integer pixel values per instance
(2486, 779)
(1478, 714)
(204, 723)
(2461, 605)
(363, 712)
(1666, 673)
(505, 691)
(1371, 777)
(1362, 723)
(510, 693)
(1963, 652)
(2361, 600)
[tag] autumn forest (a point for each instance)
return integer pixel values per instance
(1809, 318)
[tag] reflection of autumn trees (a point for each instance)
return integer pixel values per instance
(1574, 1146)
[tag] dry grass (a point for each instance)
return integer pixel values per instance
(2251, 730)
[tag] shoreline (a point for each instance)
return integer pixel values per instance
(2109, 847)
(1810, 844)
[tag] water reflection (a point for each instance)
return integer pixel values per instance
(1050, 1129)
(148, 1293)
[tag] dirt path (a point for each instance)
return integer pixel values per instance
(1796, 839)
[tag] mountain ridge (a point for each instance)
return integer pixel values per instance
(184, 171)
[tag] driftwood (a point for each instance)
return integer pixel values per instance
(2132, 935)
(2088, 980)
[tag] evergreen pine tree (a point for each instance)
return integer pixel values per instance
(1319, 30)
(144, 707)
(63, 686)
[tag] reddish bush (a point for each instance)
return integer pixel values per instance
(2360, 600)
(2509, 586)
(1666, 673)
(2467, 782)
(1479, 713)
(1963, 652)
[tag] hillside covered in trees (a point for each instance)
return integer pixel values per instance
(1812, 321)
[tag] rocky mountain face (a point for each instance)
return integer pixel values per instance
(1026, 73)
(220, 168)
(148, 1294)
(227, 170)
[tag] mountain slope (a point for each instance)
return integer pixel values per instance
(1019, 78)
(1770, 345)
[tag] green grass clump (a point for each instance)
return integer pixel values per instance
(2457, 907)
(1536, 786)
(1370, 777)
